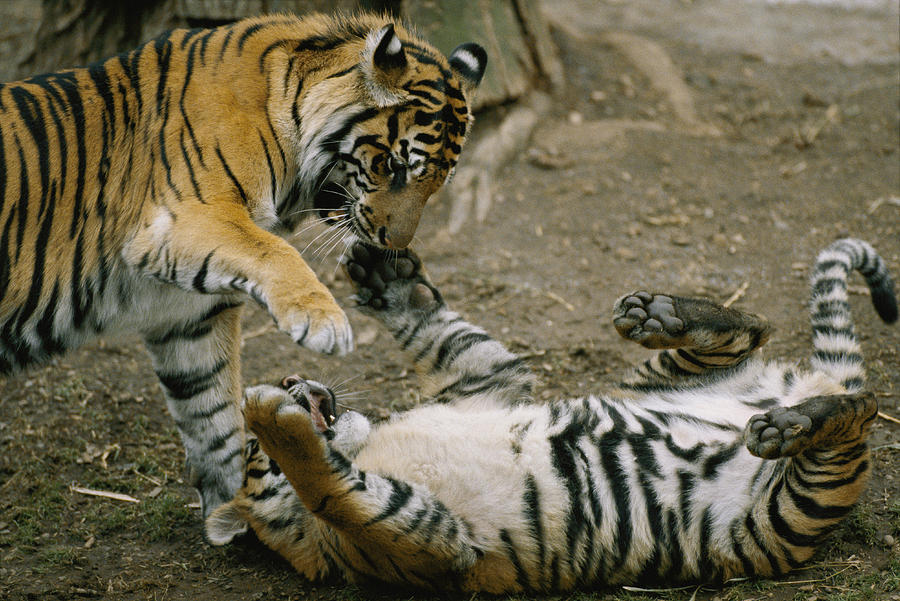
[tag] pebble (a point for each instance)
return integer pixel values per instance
(889, 540)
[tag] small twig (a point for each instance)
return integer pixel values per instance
(894, 446)
(637, 589)
(552, 295)
(258, 332)
(874, 205)
(104, 493)
(792, 582)
(11, 479)
(737, 294)
(890, 418)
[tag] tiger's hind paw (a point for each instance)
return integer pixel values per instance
(782, 432)
(661, 321)
(648, 319)
(389, 280)
(821, 422)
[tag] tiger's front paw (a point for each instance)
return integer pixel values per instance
(283, 426)
(319, 325)
(389, 280)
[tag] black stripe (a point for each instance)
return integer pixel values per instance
(532, 509)
(717, 459)
(319, 42)
(35, 121)
(781, 527)
(246, 35)
(189, 71)
(200, 278)
(686, 481)
(193, 176)
(186, 384)
(401, 493)
(231, 175)
(163, 48)
(24, 196)
(456, 344)
(217, 443)
(333, 140)
(812, 509)
(707, 569)
(617, 477)
(224, 47)
(38, 271)
(673, 548)
(738, 549)
(266, 493)
(50, 343)
(832, 484)
(512, 554)
(837, 356)
(130, 64)
(273, 182)
(5, 268)
(193, 330)
(75, 110)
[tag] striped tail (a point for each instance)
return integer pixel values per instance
(836, 348)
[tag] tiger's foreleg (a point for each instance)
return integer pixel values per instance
(383, 528)
(215, 248)
(823, 465)
(698, 336)
(454, 358)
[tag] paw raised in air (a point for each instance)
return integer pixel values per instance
(648, 319)
(782, 432)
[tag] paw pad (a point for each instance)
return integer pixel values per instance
(778, 433)
(385, 278)
(649, 319)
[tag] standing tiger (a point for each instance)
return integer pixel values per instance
(147, 194)
(709, 463)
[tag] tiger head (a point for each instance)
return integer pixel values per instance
(380, 130)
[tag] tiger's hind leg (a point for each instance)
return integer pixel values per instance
(377, 527)
(697, 336)
(823, 467)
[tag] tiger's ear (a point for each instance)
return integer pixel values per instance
(225, 523)
(468, 61)
(384, 64)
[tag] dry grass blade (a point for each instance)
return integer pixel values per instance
(890, 418)
(269, 327)
(552, 295)
(104, 493)
(737, 294)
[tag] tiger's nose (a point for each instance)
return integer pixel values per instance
(398, 238)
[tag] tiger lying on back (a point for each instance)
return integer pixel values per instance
(144, 193)
(675, 479)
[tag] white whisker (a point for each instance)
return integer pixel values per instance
(324, 233)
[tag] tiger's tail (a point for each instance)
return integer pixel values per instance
(836, 349)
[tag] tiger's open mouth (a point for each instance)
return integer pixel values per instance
(315, 398)
(332, 203)
(336, 207)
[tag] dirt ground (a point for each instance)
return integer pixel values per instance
(616, 191)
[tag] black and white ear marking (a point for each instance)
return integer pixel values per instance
(389, 53)
(469, 62)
